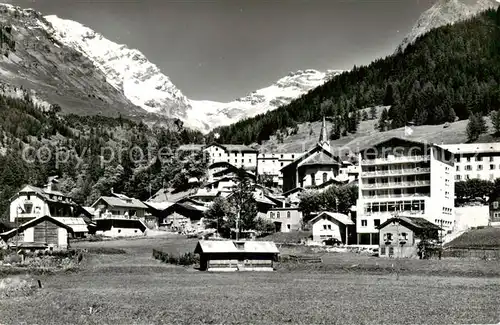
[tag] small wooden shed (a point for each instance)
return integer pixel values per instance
(228, 255)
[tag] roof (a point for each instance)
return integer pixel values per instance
(472, 148)
(190, 147)
(77, 224)
(413, 223)
(316, 149)
(229, 246)
(118, 202)
(342, 218)
(293, 190)
(262, 199)
(46, 194)
(33, 223)
(233, 147)
(321, 158)
(89, 210)
(106, 224)
(160, 206)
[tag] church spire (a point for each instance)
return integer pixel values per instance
(323, 136)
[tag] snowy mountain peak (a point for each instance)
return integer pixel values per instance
(126, 69)
(445, 12)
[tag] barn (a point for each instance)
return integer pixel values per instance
(229, 256)
(40, 233)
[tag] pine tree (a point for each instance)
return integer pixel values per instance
(364, 115)
(389, 96)
(383, 120)
(475, 127)
(373, 113)
(495, 120)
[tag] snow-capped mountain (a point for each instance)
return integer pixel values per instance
(208, 114)
(142, 82)
(445, 12)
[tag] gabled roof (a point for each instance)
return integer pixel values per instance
(45, 194)
(413, 223)
(233, 147)
(229, 246)
(159, 206)
(293, 190)
(321, 158)
(32, 223)
(77, 224)
(326, 155)
(342, 218)
(123, 203)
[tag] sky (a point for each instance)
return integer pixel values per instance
(223, 49)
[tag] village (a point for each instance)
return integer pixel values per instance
(404, 206)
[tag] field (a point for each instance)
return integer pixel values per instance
(133, 288)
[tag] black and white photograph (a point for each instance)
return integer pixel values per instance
(249, 162)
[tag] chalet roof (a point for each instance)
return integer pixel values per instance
(34, 222)
(413, 223)
(233, 147)
(46, 194)
(159, 206)
(229, 246)
(321, 158)
(342, 218)
(77, 224)
(123, 203)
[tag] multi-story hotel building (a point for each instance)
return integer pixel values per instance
(476, 160)
(270, 164)
(404, 177)
(240, 156)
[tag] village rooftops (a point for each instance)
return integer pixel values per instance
(411, 222)
(229, 246)
(342, 218)
(45, 194)
(33, 222)
(234, 147)
(123, 203)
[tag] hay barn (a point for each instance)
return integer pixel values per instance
(229, 256)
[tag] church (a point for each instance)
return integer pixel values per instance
(315, 167)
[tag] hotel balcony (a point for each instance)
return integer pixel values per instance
(394, 160)
(396, 185)
(416, 196)
(397, 172)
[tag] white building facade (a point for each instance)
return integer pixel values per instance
(239, 156)
(270, 164)
(476, 160)
(404, 177)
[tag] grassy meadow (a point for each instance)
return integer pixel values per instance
(133, 288)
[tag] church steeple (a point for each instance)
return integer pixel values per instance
(323, 136)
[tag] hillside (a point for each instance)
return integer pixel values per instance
(450, 72)
(368, 135)
(90, 154)
(445, 12)
(32, 59)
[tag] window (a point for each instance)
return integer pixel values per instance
(457, 177)
(403, 236)
(329, 227)
(376, 222)
(492, 167)
(382, 250)
(387, 237)
(458, 168)
(495, 205)
(249, 160)
(364, 223)
(325, 177)
(391, 251)
(281, 156)
(491, 158)
(281, 164)
(468, 159)
(293, 156)
(324, 227)
(288, 214)
(271, 215)
(479, 167)
(479, 158)
(278, 215)
(313, 179)
(119, 230)
(468, 167)
(220, 155)
(288, 227)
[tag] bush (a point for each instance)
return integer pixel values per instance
(185, 259)
(105, 250)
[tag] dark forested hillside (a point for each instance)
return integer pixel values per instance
(449, 73)
(90, 154)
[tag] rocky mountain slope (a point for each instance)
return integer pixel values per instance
(142, 82)
(445, 12)
(32, 59)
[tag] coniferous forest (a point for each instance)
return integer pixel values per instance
(447, 74)
(90, 154)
